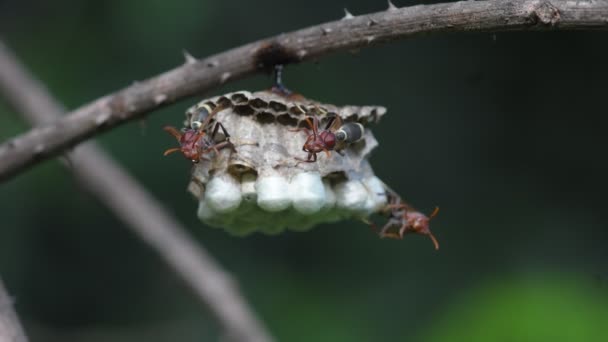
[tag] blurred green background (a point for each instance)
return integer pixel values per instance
(505, 132)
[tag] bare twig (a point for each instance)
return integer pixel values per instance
(10, 328)
(197, 76)
(130, 202)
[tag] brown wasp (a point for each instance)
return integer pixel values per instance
(334, 137)
(194, 142)
(405, 220)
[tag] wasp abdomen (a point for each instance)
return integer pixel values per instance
(203, 112)
(350, 132)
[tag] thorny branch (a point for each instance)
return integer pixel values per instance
(352, 32)
(10, 328)
(129, 201)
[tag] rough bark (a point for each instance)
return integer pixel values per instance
(351, 32)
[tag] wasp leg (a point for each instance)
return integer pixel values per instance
(315, 126)
(404, 228)
(396, 206)
(225, 144)
(217, 126)
(313, 156)
(385, 230)
(374, 228)
(306, 130)
(307, 160)
(217, 147)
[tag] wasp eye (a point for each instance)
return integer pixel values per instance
(196, 124)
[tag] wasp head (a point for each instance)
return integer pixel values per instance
(418, 223)
(189, 143)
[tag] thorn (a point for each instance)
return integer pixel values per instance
(369, 39)
(160, 98)
(188, 57)
(347, 15)
(391, 6)
(225, 76)
(371, 22)
(325, 31)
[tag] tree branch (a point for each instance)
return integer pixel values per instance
(130, 202)
(198, 76)
(10, 328)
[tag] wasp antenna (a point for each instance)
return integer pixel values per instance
(171, 150)
(336, 123)
(173, 131)
(310, 123)
(330, 122)
(434, 213)
(434, 241)
(212, 113)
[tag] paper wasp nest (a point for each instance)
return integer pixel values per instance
(262, 186)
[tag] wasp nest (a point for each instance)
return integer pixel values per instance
(263, 184)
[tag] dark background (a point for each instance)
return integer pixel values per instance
(505, 132)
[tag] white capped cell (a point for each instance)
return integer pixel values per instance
(204, 212)
(376, 199)
(223, 193)
(273, 193)
(351, 195)
(330, 195)
(307, 192)
(248, 191)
